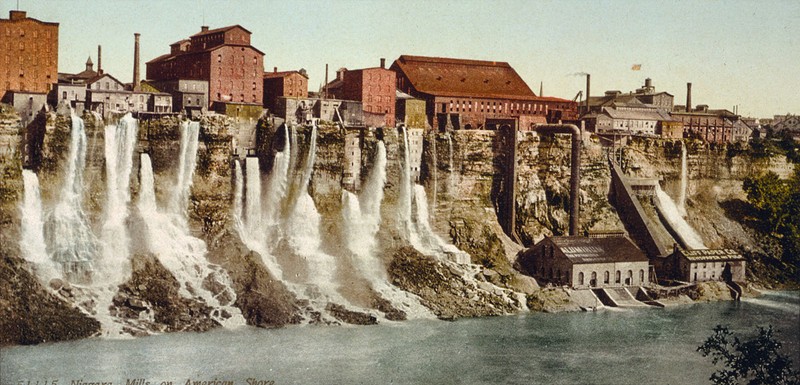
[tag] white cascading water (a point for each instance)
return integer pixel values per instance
(70, 240)
(672, 215)
(406, 199)
(253, 232)
(32, 243)
(120, 140)
(362, 219)
(238, 194)
(451, 176)
(169, 237)
(302, 231)
(684, 182)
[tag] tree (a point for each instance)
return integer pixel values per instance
(769, 195)
(756, 361)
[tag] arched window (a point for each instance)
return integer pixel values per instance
(580, 278)
(606, 278)
(618, 277)
(593, 281)
(641, 276)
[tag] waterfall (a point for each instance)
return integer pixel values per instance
(252, 230)
(169, 237)
(362, 219)
(684, 182)
(277, 186)
(406, 198)
(302, 229)
(238, 194)
(32, 243)
(671, 214)
(188, 158)
(69, 237)
(120, 140)
(362, 214)
(451, 176)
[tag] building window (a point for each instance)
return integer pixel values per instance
(580, 278)
(618, 277)
(606, 277)
(641, 276)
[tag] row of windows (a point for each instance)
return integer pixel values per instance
(494, 107)
(22, 33)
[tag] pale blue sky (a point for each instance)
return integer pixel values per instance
(734, 52)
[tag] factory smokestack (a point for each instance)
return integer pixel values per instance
(136, 77)
(688, 97)
(588, 82)
(383, 62)
(99, 59)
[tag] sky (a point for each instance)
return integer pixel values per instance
(744, 53)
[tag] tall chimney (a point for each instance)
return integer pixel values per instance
(588, 82)
(274, 69)
(325, 93)
(99, 59)
(688, 97)
(541, 93)
(383, 62)
(136, 62)
(648, 83)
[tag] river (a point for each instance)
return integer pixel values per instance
(642, 346)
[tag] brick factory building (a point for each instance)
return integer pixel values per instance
(373, 87)
(284, 84)
(475, 94)
(223, 57)
(29, 54)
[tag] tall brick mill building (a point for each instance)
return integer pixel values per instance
(476, 94)
(28, 54)
(223, 57)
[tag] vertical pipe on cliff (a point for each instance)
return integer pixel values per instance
(575, 177)
(136, 62)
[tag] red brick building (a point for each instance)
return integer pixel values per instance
(223, 57)
(709, 126)
(373, 87)
(28, 54)
(475, 94)
(284, 84)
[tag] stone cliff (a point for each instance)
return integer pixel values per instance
(464, 174)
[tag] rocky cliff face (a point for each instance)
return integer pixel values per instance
(465, 175)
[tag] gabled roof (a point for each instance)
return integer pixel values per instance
(582, 250)
(100, 76)
(223, 29)
(462, 77)
(282, 74)
(169, 56)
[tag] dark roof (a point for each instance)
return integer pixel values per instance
(711, 255)
(582, 250)
(170, 56)
(462, 77)
(282, 74)
(223, 29)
